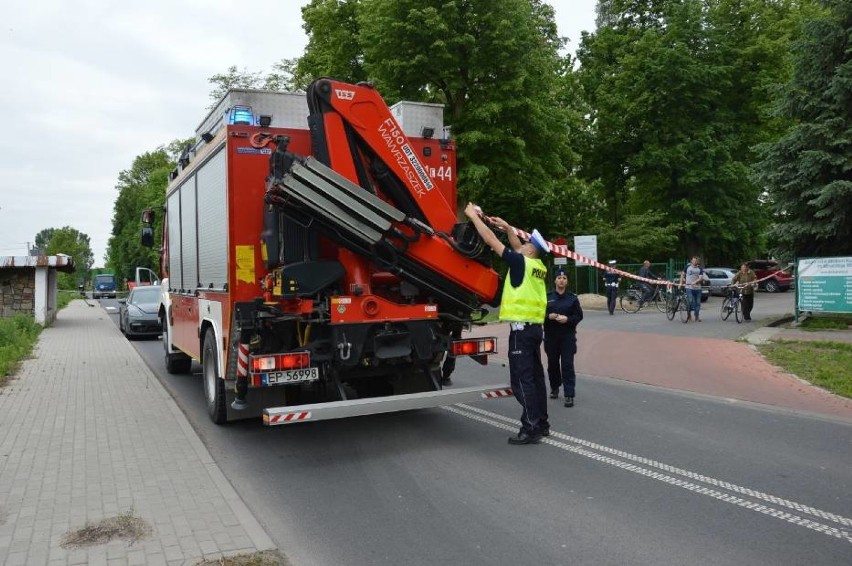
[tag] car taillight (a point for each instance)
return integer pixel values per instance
(273, 362)
(474, 347)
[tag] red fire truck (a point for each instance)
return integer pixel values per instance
(312, 261)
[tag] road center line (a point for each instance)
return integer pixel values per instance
(585, 448)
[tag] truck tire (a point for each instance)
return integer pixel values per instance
(214, 387)
(176, 363)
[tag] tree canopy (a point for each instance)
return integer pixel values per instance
(679, 96)
(682, 127)
(808, 171)
(71, 242)
(140, 187)
(494, 64)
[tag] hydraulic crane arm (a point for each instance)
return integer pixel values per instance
(351, 118)
(354, 134)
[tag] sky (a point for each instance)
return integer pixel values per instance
(89, 85)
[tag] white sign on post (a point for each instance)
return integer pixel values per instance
(586, 246)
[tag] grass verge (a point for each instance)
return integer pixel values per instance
(18, 335)
(828, 321)
(65, 297)
(824, 364)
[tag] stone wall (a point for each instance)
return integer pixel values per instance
(17, 291)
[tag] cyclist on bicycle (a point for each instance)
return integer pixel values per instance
(647, 289)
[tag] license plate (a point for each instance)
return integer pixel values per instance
(290, 376)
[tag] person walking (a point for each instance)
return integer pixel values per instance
(563, 315)
(611, 281)
(746, 278)
(647, 289)
(691, 277)
(523, 305)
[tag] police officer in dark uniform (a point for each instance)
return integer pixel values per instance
(611, 282)
(523, 305)
(563, 315)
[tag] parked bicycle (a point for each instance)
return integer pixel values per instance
(631, 300)
(733, 303)
(677, 301)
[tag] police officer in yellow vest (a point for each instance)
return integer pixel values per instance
(523, 305)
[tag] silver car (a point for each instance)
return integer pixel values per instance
(137, 315)
(720, 277)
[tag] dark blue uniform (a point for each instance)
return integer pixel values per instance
(560, 341)
(611, 283)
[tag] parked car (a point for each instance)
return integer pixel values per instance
(778, 280)
(137, 315)
(720, 277)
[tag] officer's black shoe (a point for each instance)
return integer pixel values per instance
(446, 381)
(554, 394)
(525, 438)
(545, 431)
(569, 401)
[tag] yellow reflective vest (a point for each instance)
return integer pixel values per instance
(528, 301)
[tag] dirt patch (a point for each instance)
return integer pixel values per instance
(266, 558)
(592, 301)
(126, 527)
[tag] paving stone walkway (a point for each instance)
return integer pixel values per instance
(87, 433)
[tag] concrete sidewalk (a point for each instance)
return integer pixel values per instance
(87, 433)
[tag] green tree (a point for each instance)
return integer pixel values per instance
(280, 78)
(71, 242)
(679, 96)
(333, 48)
(140, 187)
(494, 64)
(808, 172)
(233, 78)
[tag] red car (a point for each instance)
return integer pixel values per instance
(778, 280)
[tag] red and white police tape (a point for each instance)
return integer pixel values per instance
(562, 250)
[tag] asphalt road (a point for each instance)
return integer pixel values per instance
(633, 474)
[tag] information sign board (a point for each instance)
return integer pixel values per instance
(586, 246)
(824, 284)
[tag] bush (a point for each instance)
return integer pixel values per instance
(18, 335)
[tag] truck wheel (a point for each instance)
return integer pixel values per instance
(176, 363)
(214, 387)
(772, 286)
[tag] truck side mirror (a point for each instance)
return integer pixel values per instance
(148, 216)
(147, 236)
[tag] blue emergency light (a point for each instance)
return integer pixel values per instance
(241, 115)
